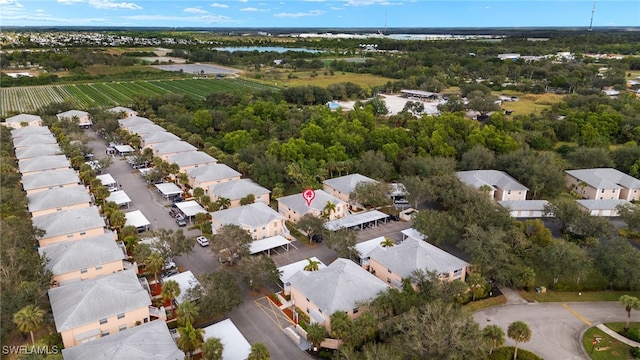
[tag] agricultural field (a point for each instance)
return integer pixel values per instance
(304, 78)
(103, 95)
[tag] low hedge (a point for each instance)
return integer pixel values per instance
(506, 353)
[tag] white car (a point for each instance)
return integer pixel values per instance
(202, 241)
(169, 264)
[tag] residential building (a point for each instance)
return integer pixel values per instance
(29, 131)
(123, 112)
(91, 309)
(341, 286)
(601, 207)
(71, 261)
(146, 129)
(157, 138)
(43, 163)
(342, 187)
(133, 121)
(603, 183)
(82, 117)
(293, 207)
(498, 184)
(49, 180)
(191, 160)
(22, 120)
(258, 219)
(58, 199)
(166, 149)
(235, 190)
(34, 140)
(205, 176)
(525, 208)
(150, 341)
(394, 263)
(69, 225)
(30, 152)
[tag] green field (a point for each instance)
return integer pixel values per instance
(103, 95)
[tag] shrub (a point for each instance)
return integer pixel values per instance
(635, 352)
(633, 334)
(506, 353)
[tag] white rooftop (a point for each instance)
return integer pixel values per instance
(212, 172)
(30, 130)
(42, 163)
(51, 178)
(191, 158)
(150, 341)
(186, 280)
(119, 109)
(298, 204)
(355, 220)
(57, 198)
(134, 121)
(237, 189)
(173, 147)
(124, 148)
(106, 179)
(141, 129)
(601, 204)
(29, 152)
(136, 219)
(339, 286)
(23, 118)
(236, 346)
(252, 216)
(34, 140)
(190, 208)
(258, 246)
(524, 205)
(365, 247)
(495, 179)
(605, 178)
(71, 113)
(68, 256)
(69, 221)
(88, 301)
(168, 189)
(288, 271)
(346, 184)
(119, 197)
(159, 137)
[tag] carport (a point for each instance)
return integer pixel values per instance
(108, 181)
(119, 197)
(169, 190)
(123, 150)
(190, 208)
(138, 220)
(269, 244)
(357, 220)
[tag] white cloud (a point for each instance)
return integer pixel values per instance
(207, 19)
(69, 2)
(217, 5)
(14, 3)
(371, 2)
(299, 14)
(252, 9)
(106, 4)
(315, 0)
(243, 1)
(195, 10)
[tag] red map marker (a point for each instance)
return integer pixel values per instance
(308, 195)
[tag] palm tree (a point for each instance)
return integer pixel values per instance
(519, 332)
(190, 339)
(170, 290)
(154, 263)
(223, 203)
(28, 319)
(312, 265)
(329, 208)
(386, 243)
(259, 351)
(187, 312)
(340, 325)
(316, 333)
(198, 192)
(117, 219)
(495, 334)
(630, 303)
(212, 349)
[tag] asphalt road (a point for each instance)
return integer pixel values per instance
(556, 328)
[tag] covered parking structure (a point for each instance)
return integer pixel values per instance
(357, 221)
(137, 220)
(120, 198)
(169, 190)
(189, 209)
(123, 150)
(269, 244)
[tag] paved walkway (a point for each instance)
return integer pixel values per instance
(512, 295)
(617, 336)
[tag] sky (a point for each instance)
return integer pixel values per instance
(320, 13)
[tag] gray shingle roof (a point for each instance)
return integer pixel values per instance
(413, 254)
(69, 256)
(58, 197)
(146, 129)
(298, 204)
(212, 172)
(134, 121)
(42, 163)
(150, 341)
(34, 140)
(88, 301)
(36, 150)
(346, 184)
(191, 158)
(492, 178)
(69, 221)
(22, 118)
(601, 204)
(71, 113)
(172, 147)
(30, 130)
(159, 137)
(253, 215)
(605, 178)
(237, 189)
(49, 178)
(119, 109)
(339, 286)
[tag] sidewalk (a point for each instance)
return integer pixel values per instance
(512, 295)
(617, 336)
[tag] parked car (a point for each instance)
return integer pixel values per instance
(169, 264)
(202, 241)
(401, 201)
(317, 238)
(394, 217)
(168, 273)
(181, 221)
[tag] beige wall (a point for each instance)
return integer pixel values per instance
(276, 227)
(46, 241)
(113, 325)
(589, 192)
(336, 193)
(284, 210)
(391, 278)
(510, 195)
(33, 191)
(205, 184)
(630, 194)
(92, 272)
(50, 211)
(302, 303)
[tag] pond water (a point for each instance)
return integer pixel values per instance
(278, 49)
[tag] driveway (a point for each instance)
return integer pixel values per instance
(556, 328)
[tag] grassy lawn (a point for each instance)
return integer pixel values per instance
(303, 78)
(522, 107)
(485, 303)
(587, 296)
(606, 348)
(619, 326)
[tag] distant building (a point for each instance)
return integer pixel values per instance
(82, 117)
(22, 120)
(123, 112)
(603, 183)
(293, 207)
(500, 186)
